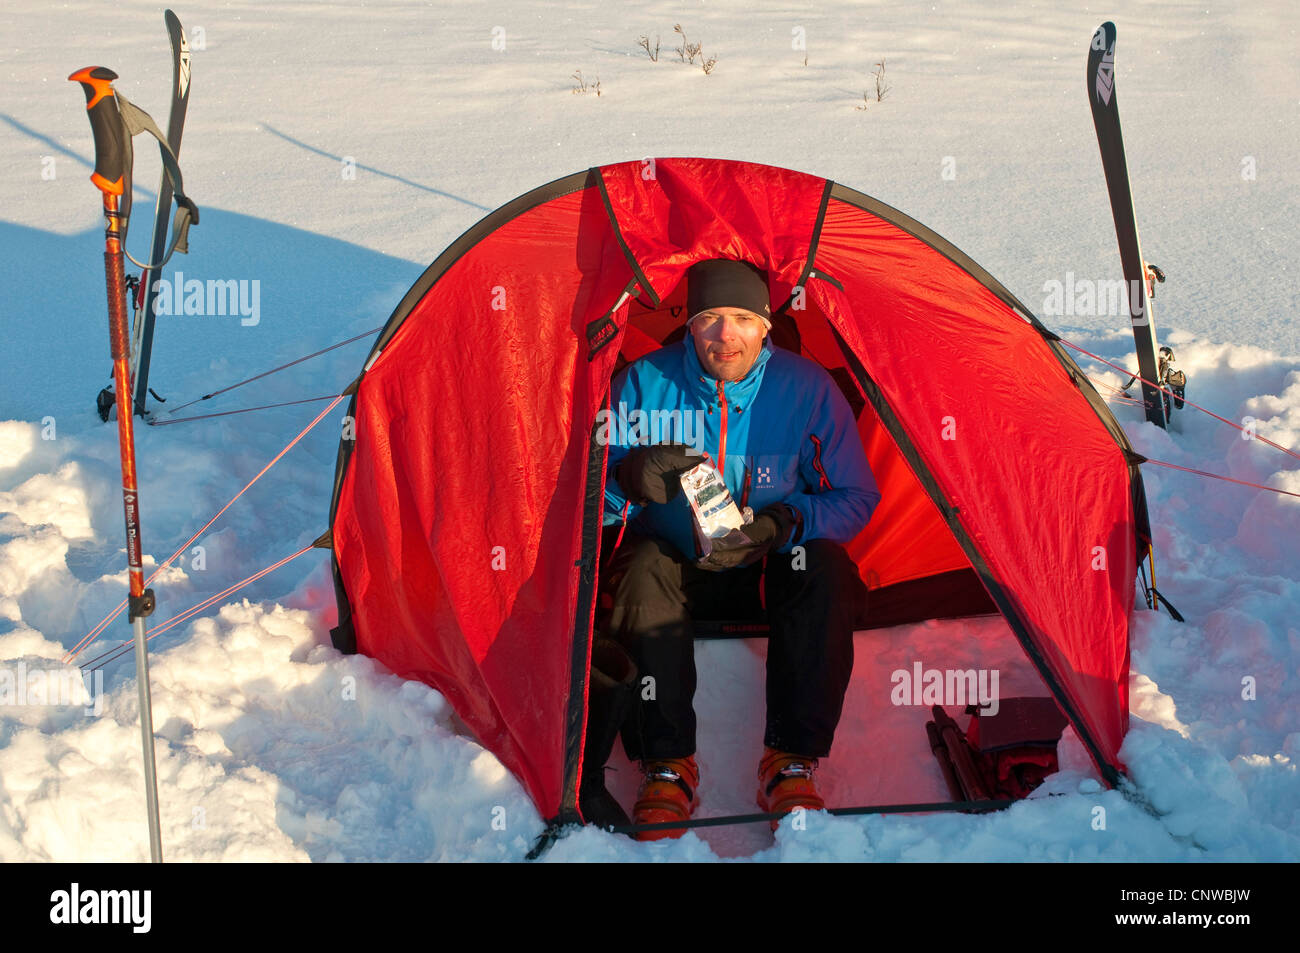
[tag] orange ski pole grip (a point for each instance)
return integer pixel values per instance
(106, 125)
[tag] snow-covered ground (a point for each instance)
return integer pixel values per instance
(335, 149)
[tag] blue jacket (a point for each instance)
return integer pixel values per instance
(791, 438)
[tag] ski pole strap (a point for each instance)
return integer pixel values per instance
(135, 121)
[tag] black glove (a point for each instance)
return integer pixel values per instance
(771, 529)
(650, 474)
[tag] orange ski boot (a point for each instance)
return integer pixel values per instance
(785, 782)
(667, 794)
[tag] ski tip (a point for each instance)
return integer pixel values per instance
(1103, 37)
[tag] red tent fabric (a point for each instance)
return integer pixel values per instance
(467, 505)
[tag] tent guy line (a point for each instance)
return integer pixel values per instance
(112, 654)
(1184, 399)
(94, 633)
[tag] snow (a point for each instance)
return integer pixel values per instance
(273, 746)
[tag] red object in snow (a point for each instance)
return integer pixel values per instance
(467, 505)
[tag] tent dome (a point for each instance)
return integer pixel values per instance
(465, 522)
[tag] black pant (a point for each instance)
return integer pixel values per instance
(650, 594)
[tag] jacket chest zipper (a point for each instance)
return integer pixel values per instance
(722, 439)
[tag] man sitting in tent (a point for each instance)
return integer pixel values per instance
(785, 440)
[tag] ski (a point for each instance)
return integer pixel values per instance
(143, 327)
(1105, 117)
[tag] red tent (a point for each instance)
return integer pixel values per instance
(466, 515)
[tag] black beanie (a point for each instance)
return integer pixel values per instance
(726, 283)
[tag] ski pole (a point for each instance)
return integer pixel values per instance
(110, 178)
